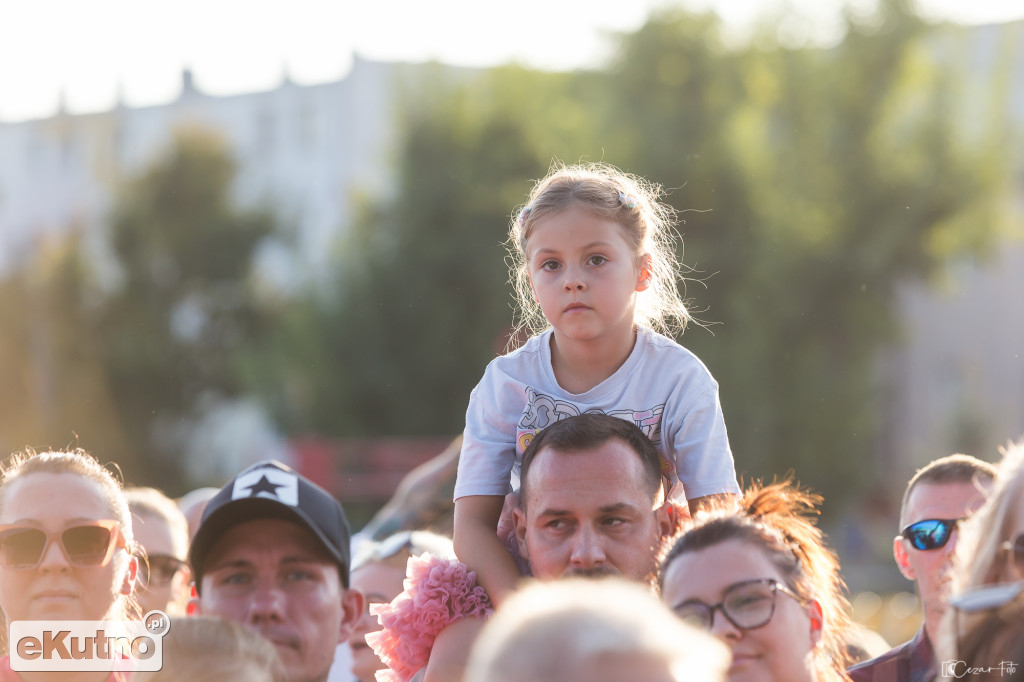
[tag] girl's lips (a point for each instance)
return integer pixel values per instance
(576, 306)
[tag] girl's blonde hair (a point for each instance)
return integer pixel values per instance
(778, 519)
(78, 462)
(646, 222)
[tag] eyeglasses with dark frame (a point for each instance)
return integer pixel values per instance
(747, 605)
(929, 534)
(157, 570)
(85, 545)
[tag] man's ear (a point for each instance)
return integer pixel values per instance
(817, 621)
(643, 278)
(193, 607)
(668, 518)
(519, 526)
(352, 604)
(899, 552)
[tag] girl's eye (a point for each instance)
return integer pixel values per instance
(549, 265)
(597, 260)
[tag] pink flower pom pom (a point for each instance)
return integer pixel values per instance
(438, 592)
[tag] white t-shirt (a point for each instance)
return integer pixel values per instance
(662, 388)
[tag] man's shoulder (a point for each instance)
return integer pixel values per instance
(904, 663)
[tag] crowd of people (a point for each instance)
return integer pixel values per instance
(600, 533)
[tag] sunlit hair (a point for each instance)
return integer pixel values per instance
(647, 224)
(553, 631)
(779, 520)
(152, 503)
(980, 559)
(206, 649)
(78, 462)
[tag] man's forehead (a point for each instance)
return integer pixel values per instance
(946, 500)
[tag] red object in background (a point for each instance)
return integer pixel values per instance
(363, 469)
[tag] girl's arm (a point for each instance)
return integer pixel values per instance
(477, 545)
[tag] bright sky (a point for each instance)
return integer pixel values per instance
(92, 49)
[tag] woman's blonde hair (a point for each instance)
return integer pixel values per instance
(78, 462)
(980, 557)
(630, 201)
(778, 519)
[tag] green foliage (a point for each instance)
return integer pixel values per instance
(183, 311)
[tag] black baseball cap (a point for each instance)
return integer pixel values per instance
(271, 490)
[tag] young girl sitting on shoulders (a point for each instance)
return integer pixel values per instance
(594, 263)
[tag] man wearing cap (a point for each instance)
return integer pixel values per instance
(272, 553)
(938, 497)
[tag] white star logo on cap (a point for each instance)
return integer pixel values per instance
(269, 482)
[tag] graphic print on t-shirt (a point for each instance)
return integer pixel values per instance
(543, 410)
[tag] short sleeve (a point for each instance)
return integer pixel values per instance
(488, 442)
(700, 445)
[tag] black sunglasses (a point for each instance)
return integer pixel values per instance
(157, 569)
(929, 534)
(747, 605)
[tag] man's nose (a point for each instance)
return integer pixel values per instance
(267, 603)
(587, 549)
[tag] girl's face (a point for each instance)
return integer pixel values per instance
(380, 582)
(782, 649)
(584, 274)
(55, 589)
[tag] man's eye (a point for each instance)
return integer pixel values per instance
(236, 579)
(614, 521)
(556, 524)
(299, 575)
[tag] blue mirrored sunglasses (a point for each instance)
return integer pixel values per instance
(930, 533)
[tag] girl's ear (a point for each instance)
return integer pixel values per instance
(643, 277)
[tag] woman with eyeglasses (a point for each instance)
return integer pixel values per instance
(759, 578)
(378, 571)
(65, 548)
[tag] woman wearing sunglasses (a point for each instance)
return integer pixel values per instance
(760, 579)
(65, 547)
